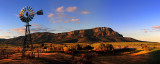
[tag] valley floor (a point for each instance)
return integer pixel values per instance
(147, 57)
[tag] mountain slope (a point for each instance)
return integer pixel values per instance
(1, 40)
(99, 34)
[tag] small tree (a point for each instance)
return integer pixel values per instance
(146, 48)
(51, 45)
(42, 45)
(78, 47)
(88, 47)
(104, 48)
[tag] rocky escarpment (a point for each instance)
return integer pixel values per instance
(99, 34)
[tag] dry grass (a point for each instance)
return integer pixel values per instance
(137, 56)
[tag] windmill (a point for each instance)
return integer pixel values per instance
(26, 15)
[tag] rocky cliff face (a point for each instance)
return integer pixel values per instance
(99, 34)
(95, 32)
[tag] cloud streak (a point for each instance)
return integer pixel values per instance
(18, 30)
(61, 14)
(38, 28)
(7, 32)
(75, 20)
(35, 28)
(50, 15)
(60, 9)
(85, 12)
(71, 9)
(156, 28)
(4, 36)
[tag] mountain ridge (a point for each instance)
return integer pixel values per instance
(98, 34)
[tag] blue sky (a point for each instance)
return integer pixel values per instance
(139, 19)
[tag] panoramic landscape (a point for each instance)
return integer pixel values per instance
(80, 32)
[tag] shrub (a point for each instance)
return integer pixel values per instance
(66, 49)
(119, 46)
(71, 49)
(78, 47)
(103, 48)
(42, 45)
(85, 58)
(50, 49)
(88, 47)
(18, 49)
(59, 48)
(146, 48)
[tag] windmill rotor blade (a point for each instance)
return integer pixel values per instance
(29, 17)
(30, 9)
(32, 12)
(21, 17)
(23, 10)
(27, 8)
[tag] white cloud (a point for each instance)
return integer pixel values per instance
(66, 21)
(7, 32)
(71, 9)
(39, 28)
(75, 20)
(156, 28)
(59, 20)
(50, 15)
(35, 28)
(18, 30)
(85, 12)
(60, 9)
(53, 21)
(78, 22)
(60, 15)
(145, 31)
(4, 36)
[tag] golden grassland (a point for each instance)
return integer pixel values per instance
(115, 44)
(135, 55)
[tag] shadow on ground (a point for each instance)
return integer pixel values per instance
(154, 57)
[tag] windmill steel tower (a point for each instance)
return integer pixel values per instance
(26, 15)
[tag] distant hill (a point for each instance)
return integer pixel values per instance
(99, 34)
(1, 40)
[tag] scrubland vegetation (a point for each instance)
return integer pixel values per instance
(78, 53)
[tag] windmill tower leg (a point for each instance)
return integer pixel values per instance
(27, 44)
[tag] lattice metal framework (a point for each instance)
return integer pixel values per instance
(26, 15)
